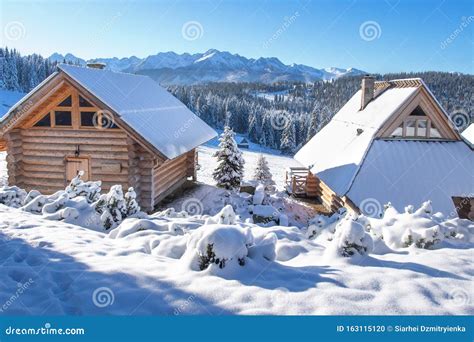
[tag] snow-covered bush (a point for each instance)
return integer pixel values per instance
(327, 224)
(36, 205)
(225, 216)
(421, 227)
(230, 168)
(12, 196)
(90, 190)
(351, 238)
(115, 206)
(259, 194)
(262, 172)
(220, 244)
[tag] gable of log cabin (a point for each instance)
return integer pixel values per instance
(43, 146)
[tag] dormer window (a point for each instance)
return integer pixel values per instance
(416, 126)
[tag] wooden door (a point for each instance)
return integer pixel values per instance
(76, 164)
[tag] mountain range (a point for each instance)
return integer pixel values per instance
(213, 66)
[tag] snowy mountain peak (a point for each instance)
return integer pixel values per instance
(213, 66)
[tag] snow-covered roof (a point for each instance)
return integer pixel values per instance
(155, 114)
(468, 134)
(411, 172)
(241, 140)
(336, 152)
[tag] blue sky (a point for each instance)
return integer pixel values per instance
(373, 35)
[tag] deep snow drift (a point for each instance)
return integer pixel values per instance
(174, 262)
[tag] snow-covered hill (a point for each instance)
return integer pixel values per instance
(214, 66)
(7, 99)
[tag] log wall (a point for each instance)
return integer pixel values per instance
(170, 175)
(36, 158)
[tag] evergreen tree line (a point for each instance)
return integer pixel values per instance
(23, 73)
(282, 115)
(286, 115)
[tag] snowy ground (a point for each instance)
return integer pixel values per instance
(277, 163)
(65, 269)
(152, 265)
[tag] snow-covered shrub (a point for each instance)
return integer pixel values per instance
(66, 214)
(426, 238)
(265, 214)
(36, 205)
(230, 168)
(327, 224)
(31, 195)
(225, 216)
(259, 194)
(351, 238)
(90, 190)
(171, 213)
(115, 206)
(262, 172)
(220, 245)
(55, 204)
(421, 227)
(12, 196)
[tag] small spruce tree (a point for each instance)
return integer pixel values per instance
(262, 172)
(230, 168)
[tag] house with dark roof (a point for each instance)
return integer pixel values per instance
(242, 142)
(116, 127)
(391, 142)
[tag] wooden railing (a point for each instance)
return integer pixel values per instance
(296, 180)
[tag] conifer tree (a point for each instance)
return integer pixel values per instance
(262, 172)
(230, 168)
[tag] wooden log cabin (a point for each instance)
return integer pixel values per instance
(118, 128)
(391, 142)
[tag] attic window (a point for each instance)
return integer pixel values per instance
(416, 125)
(83, 102)
(63, 118)
(67, 102)
(44, 122)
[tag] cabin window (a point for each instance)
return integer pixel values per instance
(410, 127)
(84, 103)
(416, 125)
(67, 102)
(63, 118)
(421, 128)
(87, 119)
(44, 122)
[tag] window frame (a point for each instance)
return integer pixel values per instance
(75, 109)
